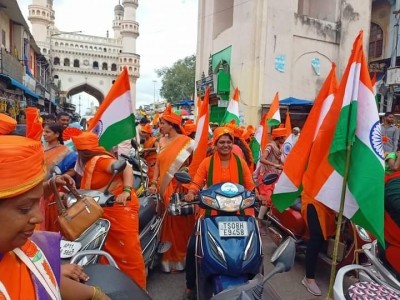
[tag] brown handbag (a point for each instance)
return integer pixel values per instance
(80, 216)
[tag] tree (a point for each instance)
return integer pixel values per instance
(178, 81)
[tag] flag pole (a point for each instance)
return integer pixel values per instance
(339, 222)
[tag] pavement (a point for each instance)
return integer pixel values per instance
(288, 285)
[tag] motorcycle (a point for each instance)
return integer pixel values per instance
(228, 245)
(291, 223)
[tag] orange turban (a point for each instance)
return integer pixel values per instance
(7, 124)
(189, 127)
(69, 132)
(87, 141)
(34, 128)
(171, 117)
(21, 165)
(220, 131)
(236, 130)
(146, 129)
(251, 129)
(279, 132)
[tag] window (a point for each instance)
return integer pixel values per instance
(95, 65)
(56, 61)
(114, 67)
(76, 63)
(66, 62)
(375, 41)
(105, 66)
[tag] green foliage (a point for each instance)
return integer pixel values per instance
(178, 81)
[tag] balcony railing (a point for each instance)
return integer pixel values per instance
(11, 66)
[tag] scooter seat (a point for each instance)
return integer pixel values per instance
(114, 282)
(148, 208)
(370, 290)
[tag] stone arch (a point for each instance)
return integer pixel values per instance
(87, 88)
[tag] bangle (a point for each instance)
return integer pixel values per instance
(127, 189)
(97, 293)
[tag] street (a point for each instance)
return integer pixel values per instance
(164, 286)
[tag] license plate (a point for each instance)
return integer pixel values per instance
(68, 248)
(232, 229)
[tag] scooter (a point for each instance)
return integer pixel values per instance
(370, 286)
(291, 223)
(151, 217)
(228, 245)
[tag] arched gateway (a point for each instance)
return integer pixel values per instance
(85, 63)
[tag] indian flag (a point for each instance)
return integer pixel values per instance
(260, 140)
(289, 185)
(232, 111)
(114, 121)
(274, 115)
(356, 152)
(201, 138)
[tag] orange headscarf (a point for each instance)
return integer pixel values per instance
(87, 141)
(69, 132)
(7, 124)
(171, 117)
(251, 129)
(236, 130)
(146, 129)
(21, 165)
(220, 131)
(279, 132)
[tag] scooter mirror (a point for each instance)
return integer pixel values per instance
(183, 177)
(270, 178)
(285, 254)
(55, 170)
(118, 166)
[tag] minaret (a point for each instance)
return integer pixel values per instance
(129, 32)
(118, 17)
(41, 15)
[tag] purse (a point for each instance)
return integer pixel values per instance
(80, 216)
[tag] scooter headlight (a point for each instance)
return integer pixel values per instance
(363, 234)
(229, 204)
(211, 202)
(248, 202)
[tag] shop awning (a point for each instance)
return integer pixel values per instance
(295, 101)
(20, 86)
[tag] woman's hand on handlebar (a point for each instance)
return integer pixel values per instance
(73, 271)
(189, 197)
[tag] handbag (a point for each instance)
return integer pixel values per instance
(80, 216)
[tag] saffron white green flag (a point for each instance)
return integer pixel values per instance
(114, 121)
(232, 111)
(358, 129)
(274, 114)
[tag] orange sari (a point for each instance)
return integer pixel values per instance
(176, 229)
(123, 238)
(150, 156)
(16, 279)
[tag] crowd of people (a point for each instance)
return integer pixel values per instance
(26, 201)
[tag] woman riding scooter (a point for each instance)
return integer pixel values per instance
(224, 166)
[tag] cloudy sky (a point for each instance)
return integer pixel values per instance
(167, 28)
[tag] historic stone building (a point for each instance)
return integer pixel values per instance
(85, 63)
(269, 46)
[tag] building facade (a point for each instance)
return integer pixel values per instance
(86, 63)
(269, 46)
(24, 72)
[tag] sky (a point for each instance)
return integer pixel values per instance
(168, 32)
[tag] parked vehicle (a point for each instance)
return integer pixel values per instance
(228, 245)
(291, 223)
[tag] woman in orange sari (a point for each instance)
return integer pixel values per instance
(55, 154)
(149, 147)
(29, 269)
(123, 239)
(175, 150)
